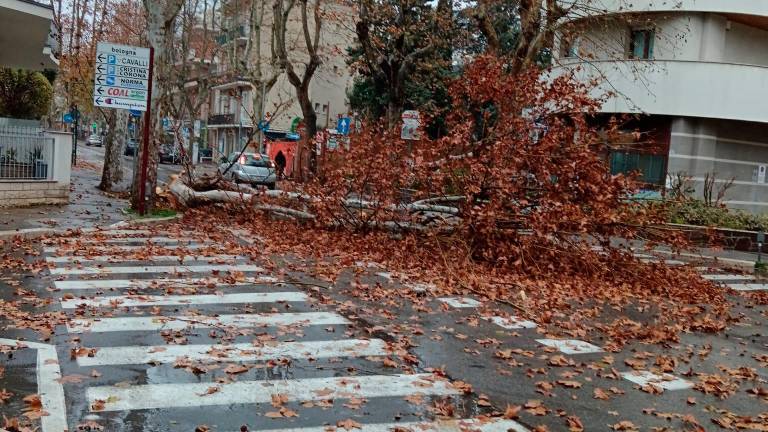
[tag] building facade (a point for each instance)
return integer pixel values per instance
(696, 74)
(233, 115)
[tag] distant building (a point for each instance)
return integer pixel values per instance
(697, 71)
(232, 114)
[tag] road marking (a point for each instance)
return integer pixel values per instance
(570, 346)
(101, 284)
(460, 302)
(241, 352)
(511, 323)
(126, 248)
(172, 240)
(151, 396)
(748, 287)
(479, 425)
(48, 386)
(158, 269)
(85, 259)
(666, 381)
(104, 325)
(669, 262)
(179, 300)
(725, 277)
(114, 232)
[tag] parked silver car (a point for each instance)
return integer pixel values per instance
(94, 140)
(253, 168)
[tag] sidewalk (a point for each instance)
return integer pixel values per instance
(88, 207)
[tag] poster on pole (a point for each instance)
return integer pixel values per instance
(122, 77)
(411, 125)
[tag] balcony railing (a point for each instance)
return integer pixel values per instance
(221, 119)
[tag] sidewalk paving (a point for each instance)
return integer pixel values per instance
(88, 207)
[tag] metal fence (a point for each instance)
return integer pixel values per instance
(25, 153)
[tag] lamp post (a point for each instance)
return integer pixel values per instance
(75, 113)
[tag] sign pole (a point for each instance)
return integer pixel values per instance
(145, 151)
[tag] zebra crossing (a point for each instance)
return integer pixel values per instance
(168, 342)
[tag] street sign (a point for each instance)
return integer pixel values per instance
(123, 82)
(135, 113)
(342, 126)
(411, 124)
(122, 77)
(68, 118)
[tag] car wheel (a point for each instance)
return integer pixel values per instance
(271, 186)
(235, 179)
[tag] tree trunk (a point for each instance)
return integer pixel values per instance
(160, 20)
(114, 143)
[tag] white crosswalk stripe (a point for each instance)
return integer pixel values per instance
(180, 300)
(260, 392)
(106, 325)
(82, 259)
(157, 269)
(748, 287)
(122, 248)
(726, 277)
(160, 394)
(475, 425)
(120, 240)
(102, 284)
(242, 352)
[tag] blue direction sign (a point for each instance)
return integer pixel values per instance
(68, 118)
(135, 113)
(342, 126)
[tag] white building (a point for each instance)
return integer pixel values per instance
(698, 72)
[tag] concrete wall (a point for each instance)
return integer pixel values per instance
(727, 149)
(17, 193)
(745, 44)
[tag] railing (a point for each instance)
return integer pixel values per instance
(25, 153)
(221, 119)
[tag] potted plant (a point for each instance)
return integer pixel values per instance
(39, 165)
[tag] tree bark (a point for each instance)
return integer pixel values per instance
(161, 15)
(114, 143)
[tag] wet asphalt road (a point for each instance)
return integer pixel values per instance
(226, 340)
(151, 346)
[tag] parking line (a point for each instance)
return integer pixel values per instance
(748, 287)
(178, 395)
(153, 323)
(241, 352)
(726, 277)
(48, 385)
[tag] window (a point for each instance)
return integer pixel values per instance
(650, 166)
(325, 108)
(641, 44)
(317, 107)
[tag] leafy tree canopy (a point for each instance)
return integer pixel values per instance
(24, 94)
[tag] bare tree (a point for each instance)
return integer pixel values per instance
(300, 72)
(161, 16)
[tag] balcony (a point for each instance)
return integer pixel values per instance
(738, 7)
(678, 88)
(221, 119)
(25, 35)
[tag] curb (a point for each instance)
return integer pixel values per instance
(33, 233)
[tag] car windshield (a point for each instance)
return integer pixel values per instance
(254, 160)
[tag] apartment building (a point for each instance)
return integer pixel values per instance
(696, 73)
(233, 114)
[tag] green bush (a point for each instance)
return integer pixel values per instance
(697, 212)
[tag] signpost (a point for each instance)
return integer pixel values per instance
(74, 113)
(123, 80)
